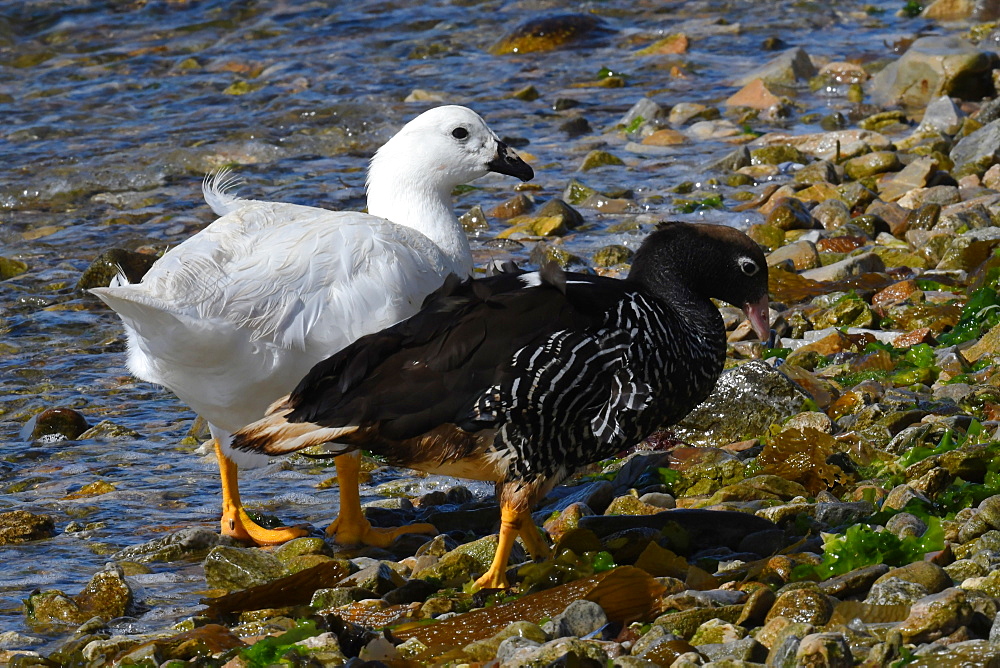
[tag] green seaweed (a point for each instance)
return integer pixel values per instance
(270, 650)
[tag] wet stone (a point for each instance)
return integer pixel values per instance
(60, 422)
(936, 615)
(895, 591)
(578, 619)
(853, 583)
(806, 605)
(745, 402)
(872, 163)
(829, 650)
(236, 568)
(10, 267)
(21, 526)
(610, 256)
(598, 158)
(106, 266)
(547, 33)
(192, 543)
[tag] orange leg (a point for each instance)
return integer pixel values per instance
(532, 538)
(511, 522)
(235, 521)
(351, 526)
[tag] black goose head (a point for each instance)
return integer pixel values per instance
(711, 261)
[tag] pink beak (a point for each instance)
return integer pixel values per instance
(757, 314)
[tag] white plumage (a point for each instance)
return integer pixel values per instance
(232, 318)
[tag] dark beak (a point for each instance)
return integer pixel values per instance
(508, 162)
(757, 314)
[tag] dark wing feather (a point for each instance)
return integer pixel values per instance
(429, 369)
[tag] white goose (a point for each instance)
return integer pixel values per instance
(232, 318)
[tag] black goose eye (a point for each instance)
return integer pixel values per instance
(748, 266)
(459, 133)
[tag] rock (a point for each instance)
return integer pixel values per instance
(787, 68)
(236, 568)
(578, 619)
(847, 268)
(791, 214)
(561, 651)
(20, 526)
(856, 582)
(746, 400)
(956, 10)
(931, 67)
(942, 114)
(548, 33)
(598, 158)
(806, 605)
(717, 631)
(9, 268)
(379, 578)
(106, 596)
(699, 528)
(824, 650)
(682, 112)
(107, 265)
(872, 163)
(62, 423)
(977, 152)
(936, 615)
(801, 255)
(930, 576)
(106, 430)
(643, 111)
(484, 650)
(755, 95)
(189, 544)
(829, 145)
(609, 256)
(474, 220)
(517, 205)
(894, 591)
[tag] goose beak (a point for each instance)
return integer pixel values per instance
(508, 162)
(757, 314)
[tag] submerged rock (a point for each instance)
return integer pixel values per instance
(744, 403)
(20, 526)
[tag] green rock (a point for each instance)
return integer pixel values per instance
(768, 236)
(597, 158)
(870, 224)
(51, 607)
(105, 430)
(877, 122)
(775, 155)
(759, 487)
(576, 192)
(107, 265)
(686, 622)
(9, 268)
(236, 568)
(869, 164)
(107, 595)
(543, 253)
(529, 93)
(612, 255)
(717, 631)
(745, 402)
(934, 66)
(308, 545)
(850, 311)
(335, 597)
(806, 605)
(474, 220)
(821, 171)
(20, 526)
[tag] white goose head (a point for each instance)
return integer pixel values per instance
(411, 177)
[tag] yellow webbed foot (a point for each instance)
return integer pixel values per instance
(240, 526)
(361, 532)
(235, 521)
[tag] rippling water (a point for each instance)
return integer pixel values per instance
(111, 112)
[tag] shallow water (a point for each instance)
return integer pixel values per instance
(113, 111)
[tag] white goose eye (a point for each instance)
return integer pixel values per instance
(460, 133)
(748, 266)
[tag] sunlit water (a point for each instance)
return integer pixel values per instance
(111, 112)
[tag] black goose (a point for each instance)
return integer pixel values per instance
(523, 379)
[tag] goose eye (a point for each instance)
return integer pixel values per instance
(749, 267)
(459, 133)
